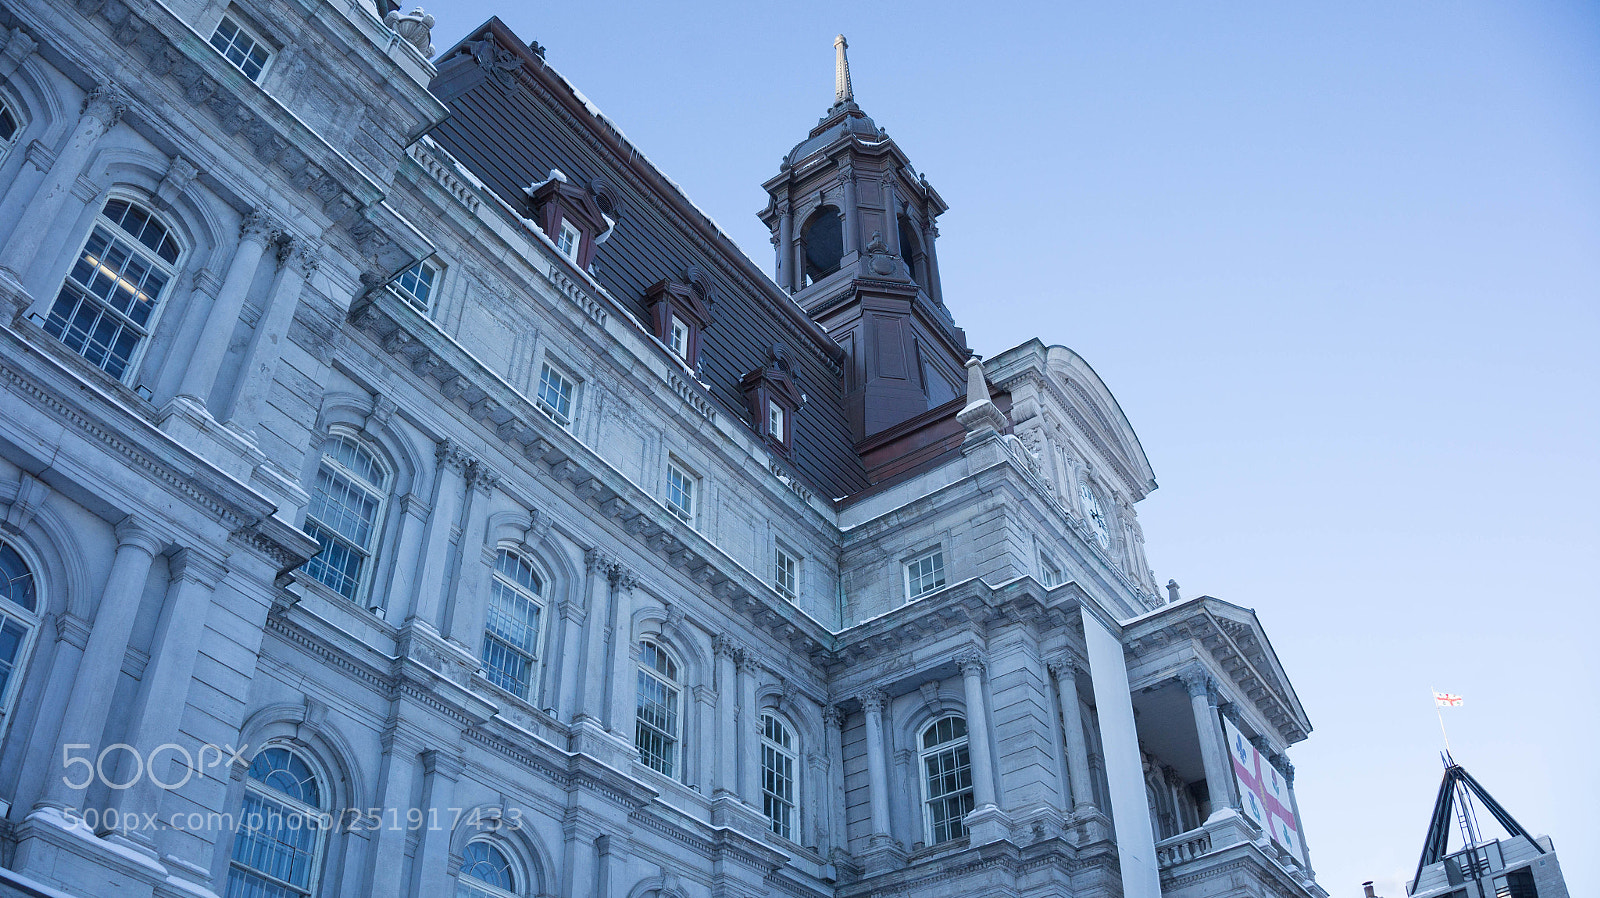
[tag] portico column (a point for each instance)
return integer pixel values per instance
(102, 108)
(749, 730)
(260, 366)
(449, 488)
(469, 604)
(590, 702)
(978, 732)
(833, 721)
(624, 658)
(1218, 775)
(440, 771)
(784, 274)
(891, 215)
(1299, 822)
(727, 653)
(1066, 675)
(85, 717)
(256, 232)
(872, 704)
(164, 687)
(930, 232)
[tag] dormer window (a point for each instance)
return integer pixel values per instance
(568, 215)
(678, 314)
(569, 240)
(240, 46)
(773, 398)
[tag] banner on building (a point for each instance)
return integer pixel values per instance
(1263, 792)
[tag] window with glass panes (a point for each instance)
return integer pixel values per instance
(486, 872)
(555, 395)
(925, 574)
(680, 492)
(785, 574)
(777, 775)
(776, 422)
(657, 732)
(109, 302)
(511, 636)
(8, 128)
(346, 510)
(568, 239)
(18, 616)
(278, 846)
(247, 53)
(946, 778)
(415, 284)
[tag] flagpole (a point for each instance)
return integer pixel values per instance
(1438, 711)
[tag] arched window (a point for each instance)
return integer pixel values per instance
(911, 252)
(511, 639)
(277, 851)
(486, 872)
(777, 775)
(9, 128)
(345, 515)
(108, 303)
(658, 724)
(1093, 514)
(18, 617)
(823, 239)
(946, 778)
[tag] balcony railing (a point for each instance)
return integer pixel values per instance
(1232, 831)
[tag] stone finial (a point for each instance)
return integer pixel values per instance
(980, 412)
(416, 27)
(1172, 590)
(842, 91)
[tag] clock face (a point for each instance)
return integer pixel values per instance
(1091, 510)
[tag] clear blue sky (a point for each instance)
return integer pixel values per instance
(1341, 267)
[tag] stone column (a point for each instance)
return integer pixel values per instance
(164, 687)
(983, 794)
(812, 795)
(440, 771)
(84, 719)
(1299, 822)
(18, 47)
(567, 669)
(449, 489)
(785, 273)
(256, 231)
(469, 603)
(625, 659)
(1219, 773)
(852, 213)
(930, 232)
(727, 654)
(749, 730)
(299, 263)
(590, 702)
(102, 108)
(833, 721)
(397, 771)
(872, 705)
(1066, 675)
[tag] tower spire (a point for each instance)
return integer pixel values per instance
(842, 91)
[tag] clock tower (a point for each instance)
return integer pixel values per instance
(854, 228)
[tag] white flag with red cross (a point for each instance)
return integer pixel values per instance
(1446, 700)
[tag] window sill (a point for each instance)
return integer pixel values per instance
(40, 340)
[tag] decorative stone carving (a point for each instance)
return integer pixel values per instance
(106, 102)
(498, 62)
(416, 27)
(873, 701)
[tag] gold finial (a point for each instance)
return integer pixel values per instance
(842, 91)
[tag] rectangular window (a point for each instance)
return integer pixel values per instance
(555, 395)
(248, 53)
(1049, 571)
(925, 574)
(785, 574)
(775, 422)
(681, 487)
(416, 284)
(567, 241)
(680, 340)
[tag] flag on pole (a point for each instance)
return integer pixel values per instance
(1446, 700)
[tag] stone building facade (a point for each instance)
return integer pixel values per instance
(407, 491)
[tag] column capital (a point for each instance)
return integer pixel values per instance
(596, 560)
(1286, 768)
(139, 535)
(452, 456)
(445, 764)
(1195, 681)
(723, 645)
(105, 102)
(482, 478)
(259, 227)
(873, 701)
(190, 564)
(972, 664)
(833, 716)
(1065, 667)
(747, 661)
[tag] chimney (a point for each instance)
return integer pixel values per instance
(1367, 886)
